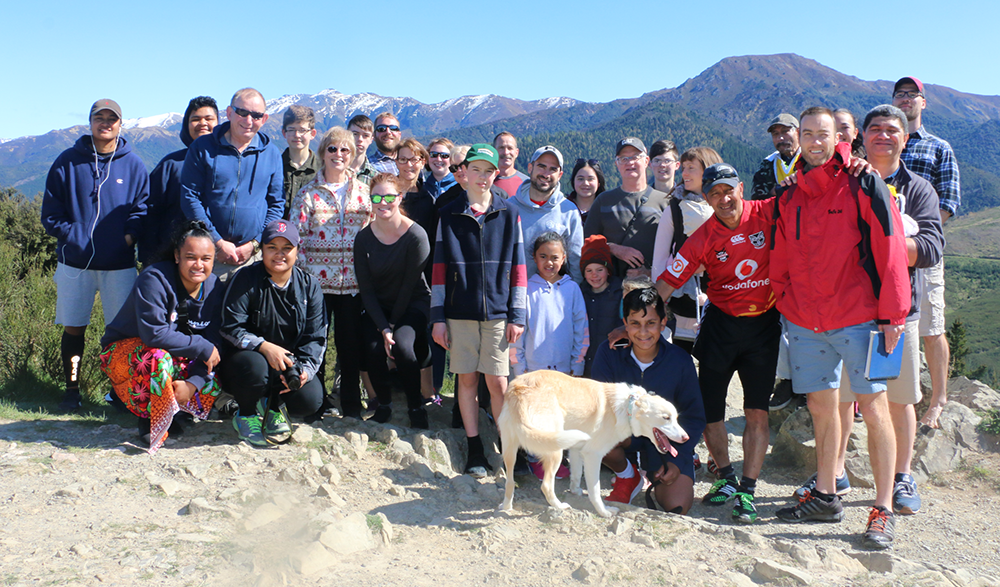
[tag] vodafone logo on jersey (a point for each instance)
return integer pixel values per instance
(678, 266)
(746, 268)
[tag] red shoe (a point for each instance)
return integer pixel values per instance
(539, 470)
(625, 490)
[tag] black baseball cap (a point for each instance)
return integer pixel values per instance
(719, 173)
(630, 142)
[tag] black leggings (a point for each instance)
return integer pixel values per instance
(411, 353)
(248, 377)
(346, 311)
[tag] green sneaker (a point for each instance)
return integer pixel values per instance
(745, 512)
(722, 491)
(248, 429)
(275, 421)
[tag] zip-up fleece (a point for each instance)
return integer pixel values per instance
(671, 376)
(248, 308)
(558, 215)
(479, 271)
(838, 257)
(90, 233)
(235, 194)
(151, 314)
(555, 334)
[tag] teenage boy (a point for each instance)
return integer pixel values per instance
(364, 132)
(298, 161)
(669, 372)
(479, 292)
(94, 203)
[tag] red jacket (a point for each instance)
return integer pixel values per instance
(839, 255)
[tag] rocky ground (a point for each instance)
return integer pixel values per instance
(357, 503)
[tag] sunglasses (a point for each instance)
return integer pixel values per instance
(387, 198)
(385, 127)
(437, 155)
(454, 168)
(243, 113)
(332, 149)
(591, 162)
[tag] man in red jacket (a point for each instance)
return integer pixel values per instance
(839, 271)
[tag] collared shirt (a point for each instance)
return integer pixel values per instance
(931, 158)
(366, 173)
(383, 163)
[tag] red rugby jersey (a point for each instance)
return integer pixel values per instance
(736, 261)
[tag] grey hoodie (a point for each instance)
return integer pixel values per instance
(558, 215)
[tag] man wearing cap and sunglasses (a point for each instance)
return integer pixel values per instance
(932, 159)
(387, 136)
(628, 216)
(740, 330)
(777, 166)
(233, 181)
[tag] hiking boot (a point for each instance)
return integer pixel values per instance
(843, 486)
(722, 491)
(782, 395)
(625, 490)
(905, 499)
(477, 466)
(71, 401)
(274, 423)
(383, 413)
(744, 512)
(418, 419)
(813, 509)
(248, 428)
(881, 529)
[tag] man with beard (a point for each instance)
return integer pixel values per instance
(544, 208)
(387, 135)
(777, 166)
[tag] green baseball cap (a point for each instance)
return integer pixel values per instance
(483, 152)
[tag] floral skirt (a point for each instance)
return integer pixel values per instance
(143, 378)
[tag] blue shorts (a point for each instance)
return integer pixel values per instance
(817, 358)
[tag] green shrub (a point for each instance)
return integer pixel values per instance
(990, 423)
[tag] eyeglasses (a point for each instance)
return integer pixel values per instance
(454, 168)
(659, 161)
(387, 198)
(385, 127)
(331, 149)
(906, 94)
(437, 155)
(299, 132)
(631, 159)
(408, 160)
(243, 113)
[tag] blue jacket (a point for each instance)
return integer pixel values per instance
(555, 334)
(92, 202)
(558, 215)
(479, 271)
(435, 188)
(151, 313)
(235, 194)
(671, 376)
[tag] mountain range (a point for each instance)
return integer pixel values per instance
(726, 107)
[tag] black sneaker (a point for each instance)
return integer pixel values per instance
(477, 466)
(144, 433)
(881, 529)
(782, 395)
(722, 491)
(813, 509)
(382, 414)
(71, 401)
(418, 419)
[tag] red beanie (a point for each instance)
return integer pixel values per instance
(596, 250)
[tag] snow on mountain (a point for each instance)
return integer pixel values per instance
(161, 120)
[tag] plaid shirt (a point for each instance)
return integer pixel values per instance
(931, 158)
(366, 173)
(383, 163)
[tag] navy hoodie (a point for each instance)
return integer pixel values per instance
(163, 211)
(235, 194)
(91, 202)
(151, 314)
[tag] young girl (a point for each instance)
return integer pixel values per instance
(602, 293)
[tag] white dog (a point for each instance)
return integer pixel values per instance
(547, 412)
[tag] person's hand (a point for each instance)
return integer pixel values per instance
(668, 474)
(892, 334)
(514, 332)
(388, 341)
(244, 252)
(213, 360)
(858, 167)
(790, 180)
(627, 254)
(227, 252)
(276, 356)
(440, 335)
(183, 392)
(616, 335)
(932, 415)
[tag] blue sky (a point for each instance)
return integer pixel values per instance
(152, 58)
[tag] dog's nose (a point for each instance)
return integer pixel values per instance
(685, 438)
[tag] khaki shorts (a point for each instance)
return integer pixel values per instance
(932, 300)
(905, 389)
(478, 347)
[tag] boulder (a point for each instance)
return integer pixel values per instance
(591, 572)
(973, 394)
(348, 536)
(795, 445)
(943, 449)
(770, 571)
(312, 559)
(436, 452)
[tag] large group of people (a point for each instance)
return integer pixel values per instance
(427, 256)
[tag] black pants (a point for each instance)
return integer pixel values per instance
(346, 312)
(411, 353)
(247, 376)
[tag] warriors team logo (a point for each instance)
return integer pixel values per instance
(722, 255)
(757, 240)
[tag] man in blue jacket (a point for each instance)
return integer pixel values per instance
(94, 203)
(669, 372)
(232, 180)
